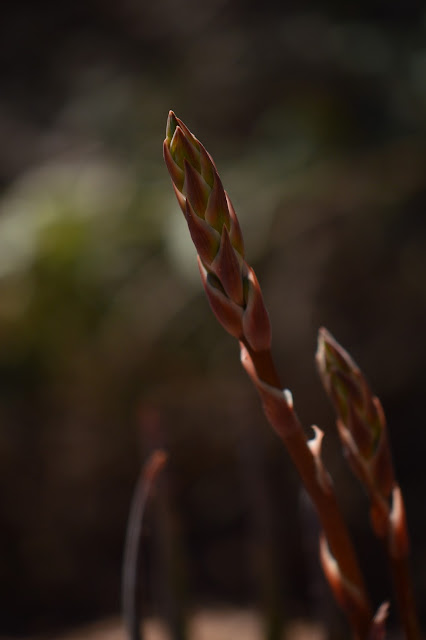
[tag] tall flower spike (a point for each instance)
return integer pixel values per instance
(231, 285)
(236, 299)
(362, 429)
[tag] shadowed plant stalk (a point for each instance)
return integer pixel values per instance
(132, 548)
(362, 429)
(236, 299)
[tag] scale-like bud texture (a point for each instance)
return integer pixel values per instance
(361, 424)
(230, 283)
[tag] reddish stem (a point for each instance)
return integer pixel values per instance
(324, 500)
(405, 597)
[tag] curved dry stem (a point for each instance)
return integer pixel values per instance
(132, 548)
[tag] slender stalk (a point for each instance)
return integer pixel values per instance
(130, 601)
(397, 544)
(325, 501)
(264, 365)
(405, 597)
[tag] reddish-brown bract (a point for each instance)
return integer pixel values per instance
(231, 285)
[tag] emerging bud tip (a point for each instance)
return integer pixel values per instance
(172, 123)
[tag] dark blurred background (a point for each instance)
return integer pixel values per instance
(315, 113)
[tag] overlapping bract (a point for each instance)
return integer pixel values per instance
(230, 283)
(362, 427)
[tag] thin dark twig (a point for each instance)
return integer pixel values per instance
(131, 605)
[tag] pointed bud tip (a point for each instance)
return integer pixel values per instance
(325, 339)
(172, 123)
(177, 135)
(323, 332)
(182, 148)
(331, 356)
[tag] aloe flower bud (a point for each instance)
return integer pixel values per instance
(362, 428)
(230, 283)
(361, 424)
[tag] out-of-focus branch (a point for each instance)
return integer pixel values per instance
(130, 581)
